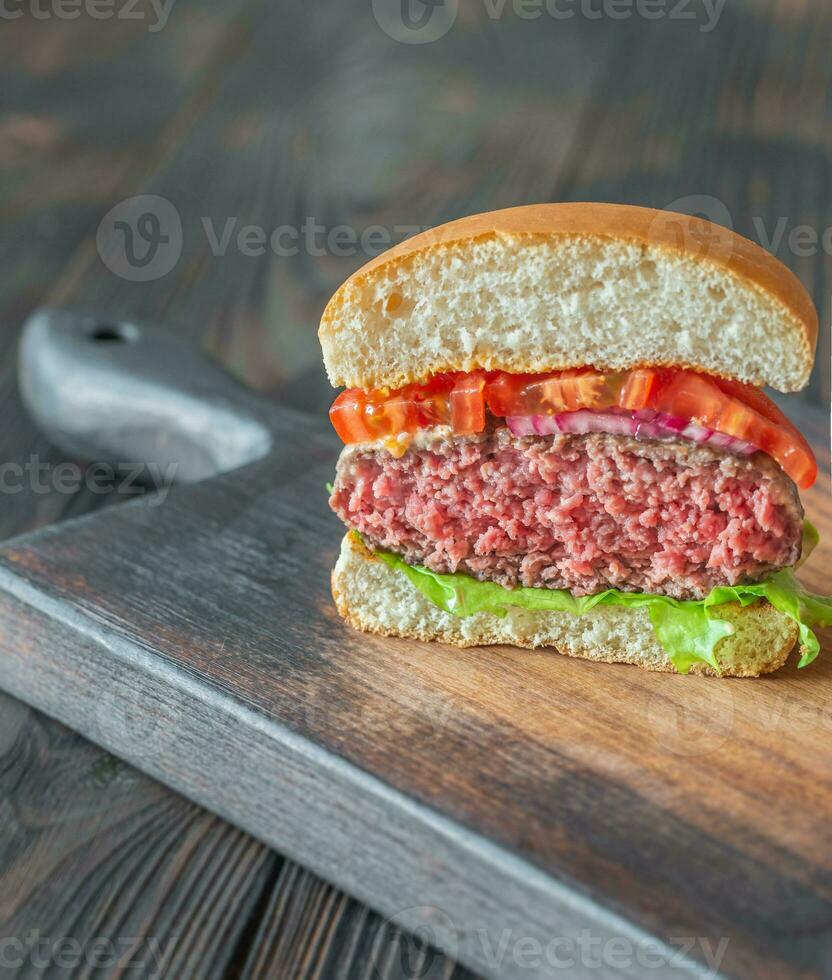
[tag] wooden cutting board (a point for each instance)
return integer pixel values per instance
(531, 814)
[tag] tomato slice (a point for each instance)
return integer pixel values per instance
(348, 417)
(364, 416)
(640, 388)
(741, 411)
(460, 400)
(547, 394)
(467, 400)
(754, 398)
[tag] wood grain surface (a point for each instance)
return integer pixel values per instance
(198, 640)
(71, 145)
(271, 116)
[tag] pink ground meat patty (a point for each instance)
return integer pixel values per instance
(577, 512)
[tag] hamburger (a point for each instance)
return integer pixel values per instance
(555, 436)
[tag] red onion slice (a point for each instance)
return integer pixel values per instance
(644, 424)
(523, 425)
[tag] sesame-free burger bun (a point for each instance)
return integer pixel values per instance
(553, 286)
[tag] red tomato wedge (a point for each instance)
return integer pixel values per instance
(468, 403)
(639, 389)
(363, 416)
(348, 417)
(547, 394)
(744, 412)
(460, 401)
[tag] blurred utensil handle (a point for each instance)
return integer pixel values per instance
(129, 393)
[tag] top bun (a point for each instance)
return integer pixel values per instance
(553, 286)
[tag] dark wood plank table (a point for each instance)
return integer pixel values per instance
(307, 116)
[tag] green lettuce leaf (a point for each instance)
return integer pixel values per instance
(687, 630)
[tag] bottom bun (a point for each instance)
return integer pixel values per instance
(375, 598)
